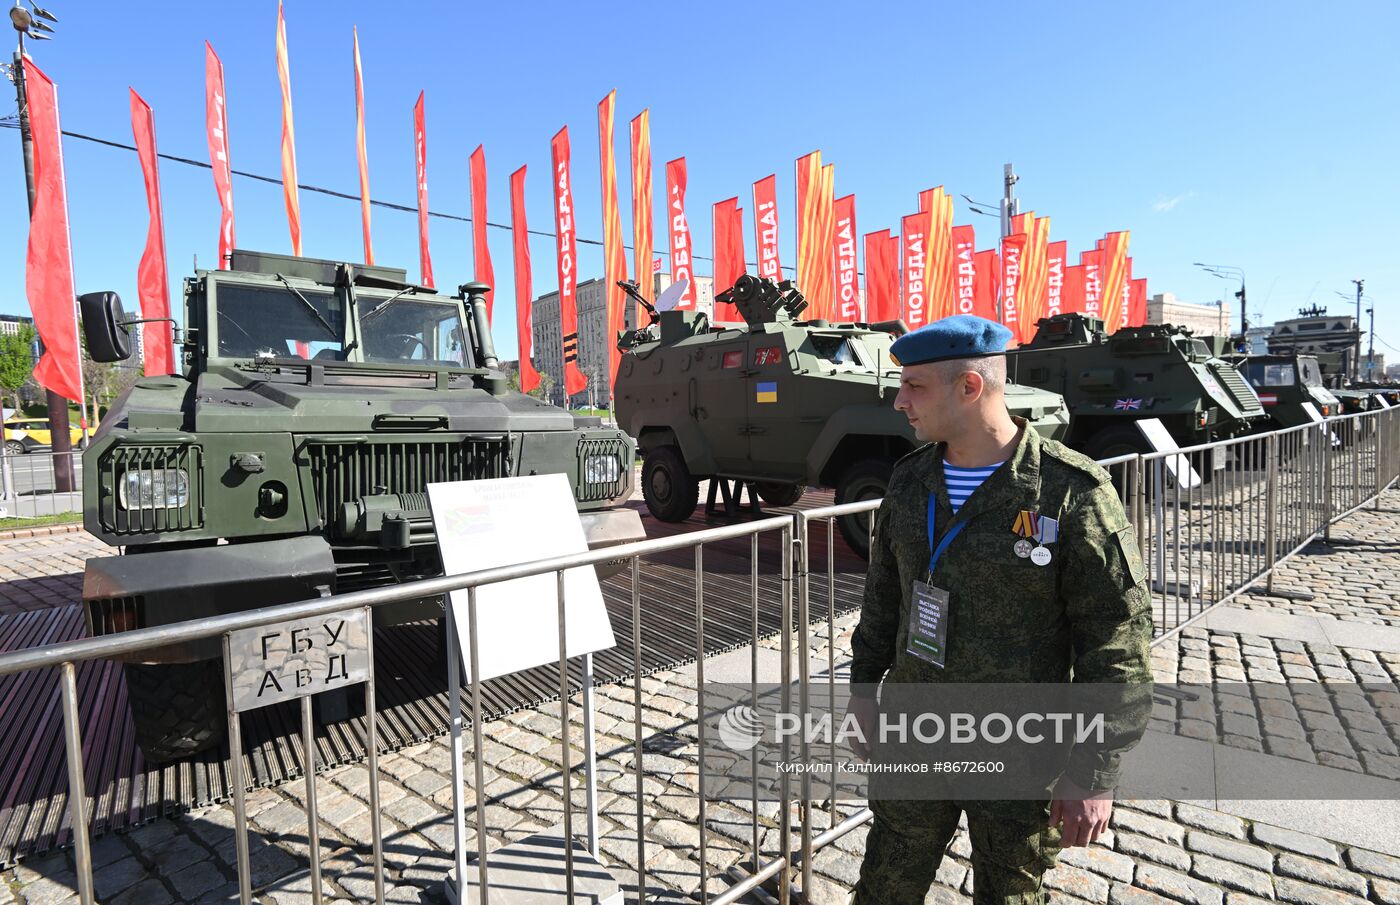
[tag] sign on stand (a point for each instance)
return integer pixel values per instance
(1178, 466)
(293, 660)
(486, 524)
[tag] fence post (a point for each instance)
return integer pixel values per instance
(1325, 438)
(1271, 509)
(77, 785)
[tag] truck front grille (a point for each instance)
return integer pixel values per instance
(109, 615)
(343, 472)
(586, 492)
(1240, 391)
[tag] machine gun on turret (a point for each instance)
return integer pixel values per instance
(761, 300)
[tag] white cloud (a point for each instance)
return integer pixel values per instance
(1164, 204)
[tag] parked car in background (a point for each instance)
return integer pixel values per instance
(24, 435)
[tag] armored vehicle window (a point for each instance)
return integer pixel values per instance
(1141, 345)
(1271, 375)
(1312, 375)
(274, 319)
(409, 329)
(836, 349)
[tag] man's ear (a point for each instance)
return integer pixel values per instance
(972, 385)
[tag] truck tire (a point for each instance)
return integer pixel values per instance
(867, 479)
(670, 490)
(177, 709)
(777, 494)
(1116, 440)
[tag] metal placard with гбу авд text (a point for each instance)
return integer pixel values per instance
(290, 660)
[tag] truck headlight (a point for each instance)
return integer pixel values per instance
(603, 469)
(161, 488)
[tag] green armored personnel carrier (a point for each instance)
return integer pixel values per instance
(1285, 383)
(780, 402)
(1111, 381)
(290, 458)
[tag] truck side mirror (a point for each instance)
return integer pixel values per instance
(104, 326)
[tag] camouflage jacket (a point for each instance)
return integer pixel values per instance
(1084, 617)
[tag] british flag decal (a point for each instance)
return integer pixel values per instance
(1127, 405)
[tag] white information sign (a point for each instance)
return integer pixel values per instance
(1313, 414)
(294, 659)
(506, 521)
(1381, 400)
(1179, 466)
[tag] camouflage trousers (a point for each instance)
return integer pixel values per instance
(908, 839)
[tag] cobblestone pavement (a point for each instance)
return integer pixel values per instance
(1157, 852)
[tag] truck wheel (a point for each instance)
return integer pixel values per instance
(776, 494)
(178, 709)
(865, 480)
(669, 488)
(1118, 440)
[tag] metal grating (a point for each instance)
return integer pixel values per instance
(116, 614)
(1235, 384)
(120, 461)
(588, 493)
(342, 472)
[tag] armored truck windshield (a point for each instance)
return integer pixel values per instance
(402, 328)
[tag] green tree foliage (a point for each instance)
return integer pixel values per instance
(16, 363)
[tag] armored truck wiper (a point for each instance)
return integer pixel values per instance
(391, 300)
(307, 302)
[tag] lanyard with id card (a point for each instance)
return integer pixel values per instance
(928, 623)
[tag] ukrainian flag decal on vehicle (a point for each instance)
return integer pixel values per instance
(766, 391)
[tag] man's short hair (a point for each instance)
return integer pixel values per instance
(991, 368)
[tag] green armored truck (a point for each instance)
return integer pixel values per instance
(780, 402)
(1111, 381)
(290, 458)
(1285, 383)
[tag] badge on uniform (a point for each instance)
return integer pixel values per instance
(928, 625)
(1036, 532)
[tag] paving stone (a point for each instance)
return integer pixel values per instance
(1321, 873)
(1177, 886)
(147, 892)
(1239, 852)
(198, 879)
(1300, 893)
(175, 854)
(427, 782)
(118, 877)
(50, 890)
(1121, 894)
(1232, 875)
(1374, 863)
(1145, 847)
(1156, 828)
(1100, 861)
(1293, 841)
(410, 812)
(1386, 892)
(1078, 882)
(1206, 819)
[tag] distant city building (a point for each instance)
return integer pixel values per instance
(1203, 320)
(10, 324)
(593, 341)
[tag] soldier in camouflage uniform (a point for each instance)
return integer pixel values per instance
(1079, 612)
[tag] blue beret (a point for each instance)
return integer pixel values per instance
(959, 336)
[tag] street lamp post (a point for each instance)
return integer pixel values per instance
(1231, 272)
(1356, 356)
(34, 26)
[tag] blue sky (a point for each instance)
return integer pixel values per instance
(1251, 134)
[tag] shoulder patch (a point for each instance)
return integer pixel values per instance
(1076, 460)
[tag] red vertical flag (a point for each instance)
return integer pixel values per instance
(940, 253)
(1126, 294)
(482, 271)
(643, 232)
(728, 234)
(682, 258)
(289, 139)
(881, 277)
(1072, 295)
(362, 154)
(765, 227)
(48, 265)
(914, 236)
(420, 165)
(524, 315)
(216, 130)
(614, 256)
(986, 278)
(1092, 262)
(566, 244)
(847, 285)
(965, 269)
(1137, 303)
(152, 277)
(1013, 250)
(1055, 254)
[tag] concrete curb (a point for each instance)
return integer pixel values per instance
(42, 531)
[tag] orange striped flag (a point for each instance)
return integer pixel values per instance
(816, 199)
(614, 256)
(643, 231)
(360, 149)
(942, 297)
(1033, 286)
(289, 151)
(1115, 270)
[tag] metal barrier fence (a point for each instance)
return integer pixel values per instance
(28, 483)
(1252, 503)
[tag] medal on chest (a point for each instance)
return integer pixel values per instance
(1035, 533)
